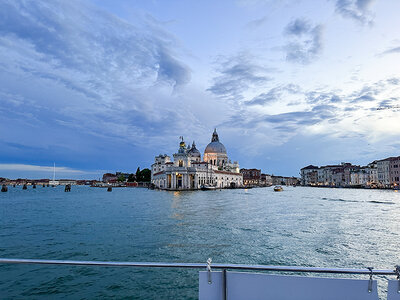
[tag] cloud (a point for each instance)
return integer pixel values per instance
(236, 75)
(305, 43)
(391, 51)
(257, 22)
(394, 81)
(369, 92)
(298, 27)
(357, 10)
(320, 111)
(364, 98)
(35, 168)
(322, 97)
(64, 32)
(273, 95)
(75, 78)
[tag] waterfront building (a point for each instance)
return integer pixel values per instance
(266, 179)
(251, 176)
(309, 175)
(291, 180)
(278, 180)
(109, 177)
(348, 169)
(394, 171)
(347, 174)
(383, 166)
(338, 179)
(372, 170)
(66, 181)
(188, 171)
(328, 174)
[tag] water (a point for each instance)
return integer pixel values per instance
(300, 226)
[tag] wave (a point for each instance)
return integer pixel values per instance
(381, 202)
(338, 200)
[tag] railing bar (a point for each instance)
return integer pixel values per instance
(199, 266)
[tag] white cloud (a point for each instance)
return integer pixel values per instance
(35, 168)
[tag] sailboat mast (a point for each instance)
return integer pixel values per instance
(54, 172)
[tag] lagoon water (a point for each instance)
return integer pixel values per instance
(300, 226)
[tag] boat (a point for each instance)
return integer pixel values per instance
(54, 182)
(278, 188)
(205, 187)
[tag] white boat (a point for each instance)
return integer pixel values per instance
(278, 188)
(54, 182)
(205, 187)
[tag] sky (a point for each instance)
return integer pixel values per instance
(106, 85)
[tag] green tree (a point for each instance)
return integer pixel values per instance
(138, 174)
(131, 177)
(121, 178)
(145, 175)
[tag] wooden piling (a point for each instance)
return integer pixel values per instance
(67, 188)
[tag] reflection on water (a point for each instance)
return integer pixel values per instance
(299, 226)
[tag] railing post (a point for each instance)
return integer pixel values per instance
(209, 270)
(224, 285)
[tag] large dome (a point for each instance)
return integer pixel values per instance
(215, 146)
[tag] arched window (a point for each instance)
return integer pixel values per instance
(214, 162)
(181, 163)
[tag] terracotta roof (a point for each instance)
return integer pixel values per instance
(309, 167)
(389, 158)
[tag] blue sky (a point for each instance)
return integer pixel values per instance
(106, 85)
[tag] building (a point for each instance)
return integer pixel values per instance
(376, 173)
(188, 171)
(251, 176)
(394, 171)
(266, 179)
(66, 181)
(291, 181)
(309, 175)
(109, 177)
(383, 167)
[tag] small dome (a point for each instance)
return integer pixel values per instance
(193, 151)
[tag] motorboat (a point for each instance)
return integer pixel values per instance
(205, 187)
(278, 188)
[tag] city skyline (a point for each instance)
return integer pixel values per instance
(100, 86)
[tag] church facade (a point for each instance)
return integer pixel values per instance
(188, 171)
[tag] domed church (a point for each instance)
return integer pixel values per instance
(215, 152)
(189, 172)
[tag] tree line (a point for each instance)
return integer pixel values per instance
(140, 176)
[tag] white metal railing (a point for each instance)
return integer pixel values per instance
(365, 271)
